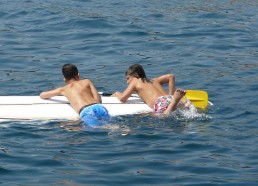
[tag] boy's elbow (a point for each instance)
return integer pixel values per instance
(98, 98)
(123, 98)
(172, 76)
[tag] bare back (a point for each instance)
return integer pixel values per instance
(149, 91)
(80, 93)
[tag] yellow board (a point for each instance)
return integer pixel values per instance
(198, 97)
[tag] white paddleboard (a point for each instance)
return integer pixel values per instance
(33, 107)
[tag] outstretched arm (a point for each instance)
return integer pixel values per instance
(126, 94)
(51, 93)
(168, 79)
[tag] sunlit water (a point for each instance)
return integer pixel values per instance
(208, 45)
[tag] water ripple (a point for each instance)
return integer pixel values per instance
(208, 45)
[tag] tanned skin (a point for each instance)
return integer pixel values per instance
(151, 91)
(78, 92)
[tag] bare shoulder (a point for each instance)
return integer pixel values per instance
(137, 82)
(134, 85)
(86, 81)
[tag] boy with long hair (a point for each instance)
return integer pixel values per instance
(152, 91)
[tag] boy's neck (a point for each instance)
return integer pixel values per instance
(72, 80)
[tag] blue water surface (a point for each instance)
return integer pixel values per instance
(208, 45)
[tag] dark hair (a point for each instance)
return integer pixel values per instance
(69, 71)
(137, 71)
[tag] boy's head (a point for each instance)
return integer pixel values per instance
(136, 71)
(70, 71)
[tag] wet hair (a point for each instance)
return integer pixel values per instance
(69, 71)
(137, 71)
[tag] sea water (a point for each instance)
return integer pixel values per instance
(207, 45)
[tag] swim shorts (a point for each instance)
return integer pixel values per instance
(94, 115)
(162, 103)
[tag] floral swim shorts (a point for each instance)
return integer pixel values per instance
(162, 103)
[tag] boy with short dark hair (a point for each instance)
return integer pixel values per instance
(82, 95)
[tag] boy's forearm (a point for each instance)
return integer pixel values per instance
(51, 93)
(119, 96)
(171, 84)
